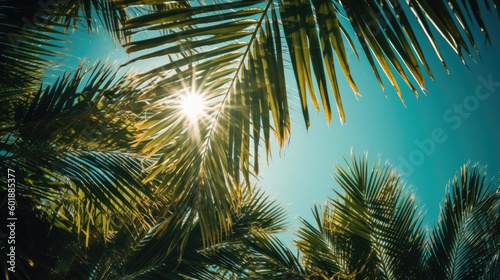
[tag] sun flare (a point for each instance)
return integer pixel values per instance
(193, 106)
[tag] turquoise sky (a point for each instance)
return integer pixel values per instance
(458, 121)
(428, 140)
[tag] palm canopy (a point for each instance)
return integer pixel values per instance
(373, 229)
(147, 255)
(233, 54)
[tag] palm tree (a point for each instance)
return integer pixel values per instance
(78, 181)
(232, 53)
(98, 149)
(373, 230)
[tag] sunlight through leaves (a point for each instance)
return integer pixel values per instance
(193, 106)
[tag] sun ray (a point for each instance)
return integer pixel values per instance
(193, 106)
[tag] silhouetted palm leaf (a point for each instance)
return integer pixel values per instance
(153, 255)
(371, 230)
(72, 145)
(26, 49)
(466, 241)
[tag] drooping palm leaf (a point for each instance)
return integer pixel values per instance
(274, 259)
(313, 33)
(232, 54)
(34, 33)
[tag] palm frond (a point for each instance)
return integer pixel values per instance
(86, 13)
(83, 176)
(232, 54)
(313, 33)
(371, 230)
(274, 259)
(464, 245)
(156, 253)
(87, 191)
(28, 44)
(204, 161)
(79, 111)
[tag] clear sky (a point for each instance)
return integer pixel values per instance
(458, 121)
(428, 140)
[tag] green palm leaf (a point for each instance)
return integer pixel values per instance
(232, 54)
(88, 179)
(152, 254)
(82, 176)
(464, 245)
(371, 230)
(26, 48)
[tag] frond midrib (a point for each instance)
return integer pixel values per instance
(213, 126)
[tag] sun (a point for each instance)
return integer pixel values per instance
(192, 106)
